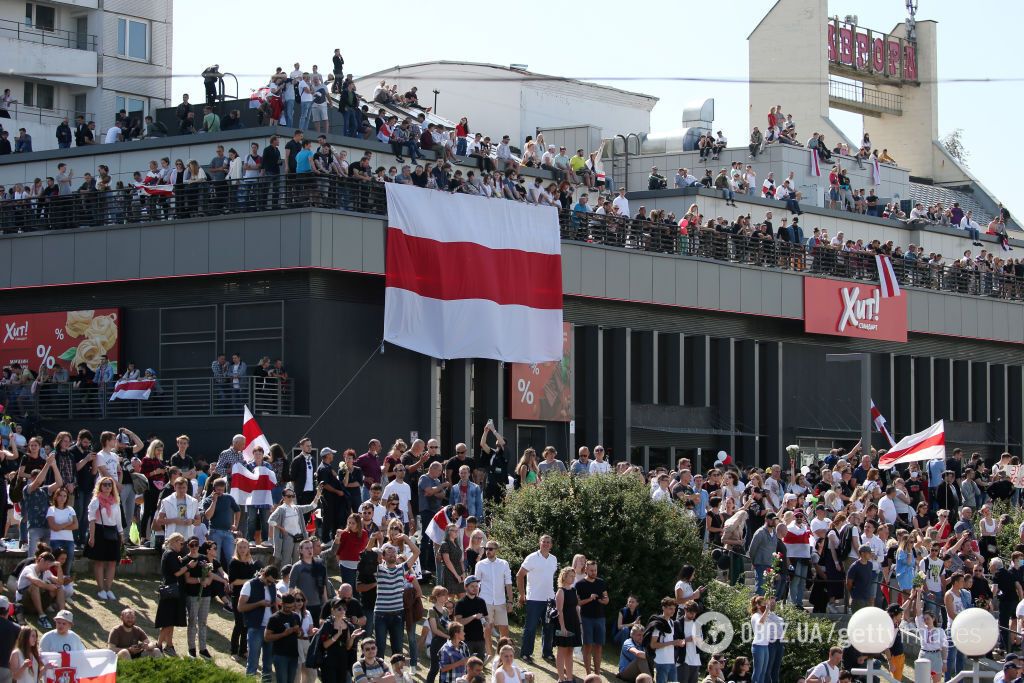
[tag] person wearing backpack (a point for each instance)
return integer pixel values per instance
(660, 641)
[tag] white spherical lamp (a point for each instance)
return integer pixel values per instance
(974, 632)
(870, 630)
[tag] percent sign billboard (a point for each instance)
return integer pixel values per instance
(543, 391)
(66, 338)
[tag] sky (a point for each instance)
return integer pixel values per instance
(600, 40)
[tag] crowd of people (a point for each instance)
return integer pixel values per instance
(361, 541)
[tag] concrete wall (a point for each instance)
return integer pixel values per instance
(800, 58)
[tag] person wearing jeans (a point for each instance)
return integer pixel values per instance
(221, 512)
(665, 640)
(389, 614)
(255, 603)
(762, 623)
(535, 581)
(282, 634)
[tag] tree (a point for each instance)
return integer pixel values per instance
(639, 544)
(953, 142)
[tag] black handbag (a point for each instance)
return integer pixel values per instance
(170, 591)
(108, 533)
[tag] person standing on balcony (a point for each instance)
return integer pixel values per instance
(338, 67)
(211, 77)
(63, 134)
(235, 374)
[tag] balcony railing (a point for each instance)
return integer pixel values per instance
(864, 97)
(180, 397)
(267, 193)
(23, 114)
(44, 36)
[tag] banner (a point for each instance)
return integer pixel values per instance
(927, 445)
(543, 391)
(64, 338)
(252, 487)
(81, 666)
(849, 309)
(470, 278)
(133, 389)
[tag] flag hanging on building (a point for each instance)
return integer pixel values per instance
(440, 521)
(876, 172)
(81, 666)
(252, 487)
(253, 435)
(133, 389)
(815, 168)
(880, 424)
(470, 278)
(927, 445)
(889, 285)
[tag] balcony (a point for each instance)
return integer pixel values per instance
(55, 56)
(862, 99)
(179, 397)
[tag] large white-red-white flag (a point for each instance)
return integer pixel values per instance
(155, 190)
(927, 445)
(81, 666)
(470, 278)
(888, 284)
(133, 389)
(253, 436)
(252, 487)
(440, 521)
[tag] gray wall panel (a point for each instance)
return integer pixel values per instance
(936, 312)
(227, 247)
(6, 249)
(592, 276)
(771, 294)
(27, 262)
(291, 244)
(664, 280)
(114, 242)
(261, 245)
(708, 287)
(792, 296)
(59, 259)
(616, 273)
(750, 282)
(641, 277)
(687, 283)
(729, 290)
(192, 248)
(373, 246)
(969, 319)
(1015, 322)
(954, 319)
(572, 269)
(917, 309)
(156, 251)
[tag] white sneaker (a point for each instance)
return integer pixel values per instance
(102, 595)
(111, 596)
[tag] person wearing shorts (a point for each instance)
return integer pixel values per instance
(496, 590)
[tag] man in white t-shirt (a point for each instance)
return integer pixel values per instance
(179, 513)
(305, 101)
(399, 487)
(114, 134)
(535, 581)
(38, 589)
(264, 585)
(107, 461)
(622, 203)
(496, 590)
(887, 505)
(827, 671)
(664, 643)
(599, 465)
(820, 524)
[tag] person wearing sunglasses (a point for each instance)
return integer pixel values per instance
(288, 526)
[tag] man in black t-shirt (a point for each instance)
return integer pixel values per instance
(452, 465)
(83, 456)
(271, 166)
(283, 629)
(495, 461)
(471, 612)
(593, 596)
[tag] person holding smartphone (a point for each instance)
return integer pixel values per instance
(567, 636)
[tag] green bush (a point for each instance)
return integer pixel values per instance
(808, 637)
(173, 670)
(1008, 537)
(639, 544)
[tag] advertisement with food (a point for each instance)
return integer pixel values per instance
(64, 338)
(543, 391)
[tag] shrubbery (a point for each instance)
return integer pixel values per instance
(174, 670)
(639, 544)
(1009, 536)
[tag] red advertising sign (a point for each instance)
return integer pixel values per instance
(867, 50)
(543, 391)
(851, 309)
(66, 338)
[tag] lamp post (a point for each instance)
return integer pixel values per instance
(865, 392)
(974, 633)
(871, 632)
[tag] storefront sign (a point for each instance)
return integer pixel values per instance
(64, 338)
(872, 52)
(849, 309)
(543, 391)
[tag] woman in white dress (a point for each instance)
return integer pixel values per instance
(507, 671)
(26, 665)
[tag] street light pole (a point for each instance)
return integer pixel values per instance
(865, 392)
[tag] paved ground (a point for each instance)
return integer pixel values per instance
(94, 618)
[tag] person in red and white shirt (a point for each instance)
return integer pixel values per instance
(799, 543)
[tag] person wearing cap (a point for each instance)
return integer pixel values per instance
(471, 611)
(62, 638)
(656, 181)
(302, 469)
(763, 545)
(336, 505)
(860, 579)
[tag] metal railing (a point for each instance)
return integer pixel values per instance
(180, 397)
(861, 95)
(45, 36)
(24, 113)
(266, 193)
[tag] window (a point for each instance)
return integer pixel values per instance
(40, 16)
(133, 39)
(80, 104)
(38, 95)
(135, 107)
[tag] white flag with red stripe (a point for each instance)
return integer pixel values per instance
(880, 423)
(253, 436)
(133, 389)
(876, 172)
(470, 278)
(927, 445)
(440, 521)
(156, 190)
(252, 487)
(81, 666)
(887, 277)
(814, 168)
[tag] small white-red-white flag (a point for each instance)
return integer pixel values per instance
(887, 277)
(876, 172)
(440, 521)
(133, 389)
(80, 666)
(253, 436)
(927, 445)
(880, 423)
(815, 168)
(252, 487)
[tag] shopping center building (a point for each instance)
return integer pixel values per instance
(674, 346)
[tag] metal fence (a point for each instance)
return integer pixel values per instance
(267, 193)
(859, 94)
(47, 36)
(181, 397)
(24, 114)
